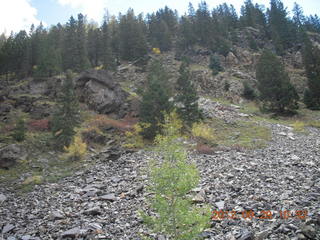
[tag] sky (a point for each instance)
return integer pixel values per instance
(16, 15)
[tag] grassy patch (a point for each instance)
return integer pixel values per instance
(298, 126)
(198, 67)
(49, 168)
(242, 134)
(238, 134)
(313, 123)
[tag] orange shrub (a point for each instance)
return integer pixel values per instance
(39, 125)
(103, 121)
(204, 149)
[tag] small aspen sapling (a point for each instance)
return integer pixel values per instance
(172, 178)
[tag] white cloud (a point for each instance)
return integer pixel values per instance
(94, 9)
(16, 15)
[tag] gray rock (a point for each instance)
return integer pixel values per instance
(309, 231)
(100, 92)
(282, 134)
(246, 235)
(26, 237)
(11, 238)
(220, 205)
(9, 155)
(109, 197)
(295, 158)
(199, 197)
(93, 211)
(74, 232)
(263, 234)
(57, 214)
(7, 228)
(2, 198)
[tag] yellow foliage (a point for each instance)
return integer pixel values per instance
(76, 150)
(203, 131)
(314, 123)
(156, 51)
(134, 138)
(34, 67)
(298, 126)
(99, 67)
(33, 180)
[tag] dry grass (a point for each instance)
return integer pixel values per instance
(103, 121)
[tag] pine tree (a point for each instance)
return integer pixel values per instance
(106, 50)
(215, 65)
(22, 54)
(66, 116)
(311, 59)
(276, 91)
(204, 28)
(155, 100)
(94, 45)
(19, 133)
(70, 46)
(81, 54)
(49, 58)
(186, 99)
(248, 91)
(280, 27)
(133, 44)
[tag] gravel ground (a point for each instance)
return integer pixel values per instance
(102, 203)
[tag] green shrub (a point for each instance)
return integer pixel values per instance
(19, 133)
(248, 91)
(215, 65)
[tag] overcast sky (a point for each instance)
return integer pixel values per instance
(20, 14)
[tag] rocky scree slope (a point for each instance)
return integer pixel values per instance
(103, 202)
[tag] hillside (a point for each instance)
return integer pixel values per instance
(87, 86)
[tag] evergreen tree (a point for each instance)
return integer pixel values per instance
(281, 30)
(19, 133)
(106, 50)
(160, 36)
(311, 59)
(133, 43)
(253, 16)
(114, 31)
(81, 54)
(186, 99)
(204, 28)
(21, 53)
(49, 58)
(248, 91)
(186, 33)
(298, 21)
(276, 91)
(94, 45)
(215, 65)
(155, 100)
(66, 116)
(70, 46)
(312, 23)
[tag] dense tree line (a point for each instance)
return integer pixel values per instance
(78, 45)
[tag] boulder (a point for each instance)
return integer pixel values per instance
(100, 92)
(9, 155)
(5, 108)
(231, 59)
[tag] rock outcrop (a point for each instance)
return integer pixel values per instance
(9, 155)
(100, 92)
